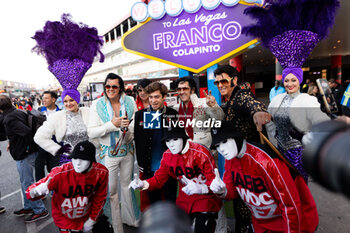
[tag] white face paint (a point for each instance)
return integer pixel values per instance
(228, 148)
(80, 165)
(175, 145)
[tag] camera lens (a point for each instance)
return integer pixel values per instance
(165, 217)
(326, 155)
(335, 162)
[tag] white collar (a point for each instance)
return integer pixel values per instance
(293, 95)
(194, 97)
(186, 148)
(243, 149)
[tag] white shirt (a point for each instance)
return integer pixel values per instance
(50, 112)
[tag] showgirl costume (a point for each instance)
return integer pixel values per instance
(291, 29)
(69, 49)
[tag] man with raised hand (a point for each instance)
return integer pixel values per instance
(80, 190)
(278, 199)
(192, 108)
(193, 166)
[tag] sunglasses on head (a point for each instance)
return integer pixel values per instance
(222, 81)
(114, 87)
(182, 88)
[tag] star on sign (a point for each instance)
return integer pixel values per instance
(156, 115)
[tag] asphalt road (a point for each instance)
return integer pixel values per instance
(11, 199)
(333, 208)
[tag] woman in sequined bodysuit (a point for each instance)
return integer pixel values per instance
(291, 39)
(293, 114)
(68, 126)
(68, 62)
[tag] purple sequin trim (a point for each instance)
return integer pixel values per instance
(69, 72)
(64, 159)
(292, 48)
(294, 155)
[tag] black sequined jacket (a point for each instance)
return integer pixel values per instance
(240, 110)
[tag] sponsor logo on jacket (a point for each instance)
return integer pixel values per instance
(254, 193)
(76, 203)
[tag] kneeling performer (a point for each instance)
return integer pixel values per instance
(193, 166)
(79, 190)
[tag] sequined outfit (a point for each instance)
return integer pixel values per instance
(75, 133)
(287, 143)
(240, 110)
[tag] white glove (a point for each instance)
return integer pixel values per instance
(88, 225)
(217, 185)
(308, 138)
(192, 187)
(41, 189)
(136, 183)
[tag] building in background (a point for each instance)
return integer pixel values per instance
(129, 66)
(14, 89)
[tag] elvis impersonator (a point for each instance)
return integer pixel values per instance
(193, 166)
(279, 200)
(79, 190)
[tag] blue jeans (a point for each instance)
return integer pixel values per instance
(25, 170)
(221, 165)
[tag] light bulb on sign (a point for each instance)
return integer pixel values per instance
(173, 7)
(191, 6)
(156, 9)
(230, 2)
(210, 4)
(139, 12)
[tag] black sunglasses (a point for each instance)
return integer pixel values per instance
(182, 88)
(114, 87)
(222, 81)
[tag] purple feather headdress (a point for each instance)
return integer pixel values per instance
(292, 28)
(69, 49)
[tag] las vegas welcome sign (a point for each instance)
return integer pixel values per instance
(189, 34)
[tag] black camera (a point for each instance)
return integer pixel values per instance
(326, 155)
(165, 217)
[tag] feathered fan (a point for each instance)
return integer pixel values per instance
(292, 28)
(69, 49)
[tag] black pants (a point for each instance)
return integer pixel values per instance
(204, 222)
(167, 192)
(43, 158)
(242, 215)
(345, 111)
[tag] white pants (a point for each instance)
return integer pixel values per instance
(129, 210)
(221, 222)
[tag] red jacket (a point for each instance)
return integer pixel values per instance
(26, 107)
(195, 162)
(76, 196)
(277, 202)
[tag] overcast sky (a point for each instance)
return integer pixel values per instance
(19, 19)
